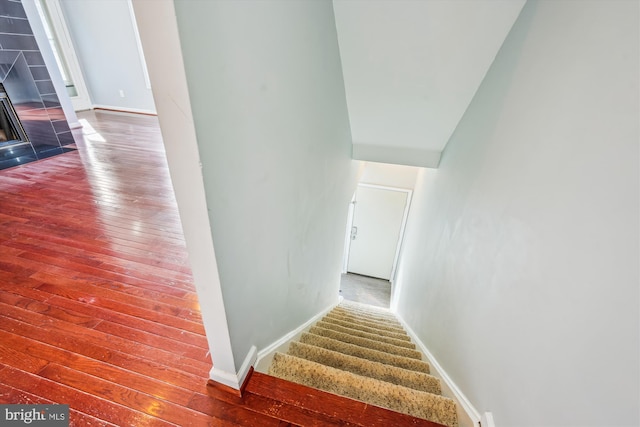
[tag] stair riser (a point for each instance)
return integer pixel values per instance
(365, 353)
(391, 320)
(418, 404)
(344, 330)
(367, 368)
(403, 337)
(375, 325)
(367, 343)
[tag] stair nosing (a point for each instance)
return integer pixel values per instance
(392, 372)
(347, 330)
(391, 359)
(353, 386)
(403, 337)
(367, 343)
(364, 322)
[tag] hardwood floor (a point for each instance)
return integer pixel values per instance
(97, 304)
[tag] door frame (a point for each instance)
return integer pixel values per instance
(83, 100)
(403, 225)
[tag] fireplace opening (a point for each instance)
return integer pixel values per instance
(12, 133)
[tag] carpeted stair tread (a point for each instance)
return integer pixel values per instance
(367, 316)
(379, 316)
(352, 305)
(365, 353)
(358, 333)
(379, 326)
(404, 377)
(383, 314)
(366, 342)
(380, 393)
(403, 337)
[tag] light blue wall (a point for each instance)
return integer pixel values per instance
(271, 119)
(103, 35)
(521, 255)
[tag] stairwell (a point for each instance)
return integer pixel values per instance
(364, 353)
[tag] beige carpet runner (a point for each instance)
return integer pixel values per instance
(363, 353)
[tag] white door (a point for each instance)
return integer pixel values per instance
(377, 223)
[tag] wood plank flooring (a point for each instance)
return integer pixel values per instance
(97, 304)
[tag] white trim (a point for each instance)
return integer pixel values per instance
(396, 155)
(83, 100)
(487, 420)
(291, 335)
(124, 109)
(347, 237)
(403, 227)
(235, 380)
(143, 62)
(461, 399)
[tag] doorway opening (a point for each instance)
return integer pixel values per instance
(376, 224)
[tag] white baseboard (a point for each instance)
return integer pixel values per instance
(124, 109)
(460, 398)
(75, 125)
(291, 335)
(235, 380)
(487, 420)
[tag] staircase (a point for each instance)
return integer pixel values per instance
(363, 353)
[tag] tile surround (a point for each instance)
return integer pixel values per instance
(28, 84)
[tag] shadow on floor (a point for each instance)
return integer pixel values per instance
(365, 290)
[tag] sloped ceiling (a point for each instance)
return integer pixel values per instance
(411, 68)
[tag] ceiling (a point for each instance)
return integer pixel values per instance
(411, 68)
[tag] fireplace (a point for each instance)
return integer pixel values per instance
(32, 123)
(12, 133)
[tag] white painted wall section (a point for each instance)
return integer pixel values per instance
(412, 67)
(159, 34)
(520, 271)
(106, 45)
(271, 120)
(389, 175)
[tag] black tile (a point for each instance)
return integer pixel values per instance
(66, 138)
(15, 151)
(21, 88)
(40, 132)
(17, 161)
(33, 58)
(45, 87)
(14, 26)
(50, 100)
(18, 42)
(26, 154)
(7, 58)
(40, 72)
(13, 9)
(60, 126)
(34, 114)
(56, 114)
(44, 152)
